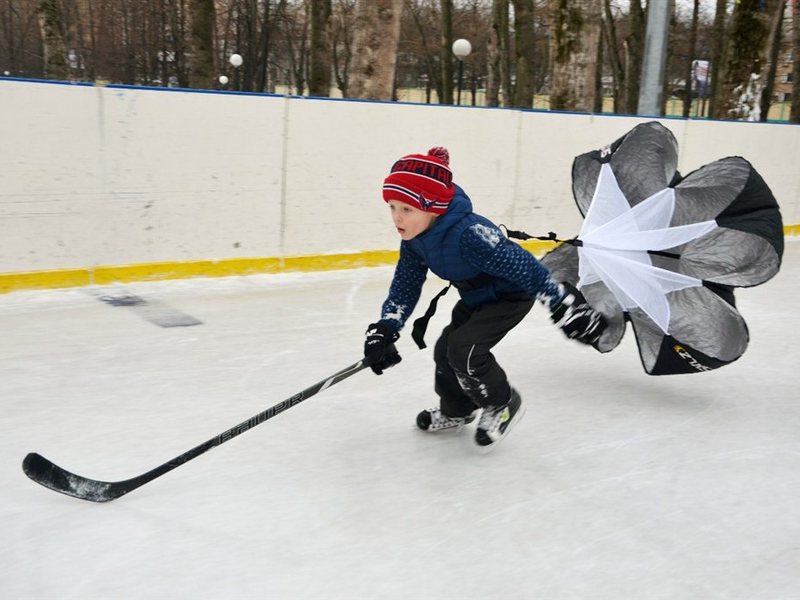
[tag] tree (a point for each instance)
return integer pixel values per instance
(718, 46)
(293, 25)
(499, 61)
(576, 35)
(615, 59)
(795, 116)
(635, 53)
(772, 52)
(419, 42)
(342, 43)
(524, 41)
(520, 47)
(376, 38)
(55, 64)
(319, 72)
(739, 88)
(446, 54)
(688, 69)
(201, 71)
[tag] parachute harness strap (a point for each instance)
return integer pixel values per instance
(551, 236)
(521, 235)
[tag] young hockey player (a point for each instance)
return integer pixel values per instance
(498, 282)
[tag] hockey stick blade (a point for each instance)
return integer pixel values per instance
(50, 475)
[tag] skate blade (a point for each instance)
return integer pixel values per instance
(517, 418)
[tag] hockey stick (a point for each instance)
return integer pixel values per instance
(50, 475)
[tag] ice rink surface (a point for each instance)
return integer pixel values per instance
(616, 485)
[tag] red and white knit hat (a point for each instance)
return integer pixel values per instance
(423, 181)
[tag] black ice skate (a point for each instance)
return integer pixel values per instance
(434, 420)
(497, 421)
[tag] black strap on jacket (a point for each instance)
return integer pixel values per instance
(421, 324)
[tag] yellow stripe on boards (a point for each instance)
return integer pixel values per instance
(37, 280)
(791, 230)
(104, 275)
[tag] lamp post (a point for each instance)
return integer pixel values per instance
(461, 48)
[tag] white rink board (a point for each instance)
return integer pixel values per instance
(96, 176)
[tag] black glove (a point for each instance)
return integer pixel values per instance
(379, 350)
(576, 318)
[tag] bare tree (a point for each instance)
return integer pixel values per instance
(55, 64)
(718, 46)
(471, 22)
(795, 116)
(201, 71)
(615, 59)
(739, 91)
(319, 72)
(426, 23)
(377, 35)
(772, 51)
(576, 34)
(520, 47)
(634, 43)
(342, 43)
(524, 41)
(688, 69)
(294, 30)
(497, 43)
(446, 54)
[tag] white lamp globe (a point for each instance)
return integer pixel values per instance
(462, 48)
(236, 60)
(223, 80)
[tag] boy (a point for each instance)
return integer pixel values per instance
(497, 281)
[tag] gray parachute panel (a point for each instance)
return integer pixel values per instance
(745, 249)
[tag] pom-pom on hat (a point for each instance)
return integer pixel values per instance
(423, 181)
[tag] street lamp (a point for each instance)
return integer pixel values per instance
(461, 48)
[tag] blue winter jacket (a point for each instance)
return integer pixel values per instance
(470, 251)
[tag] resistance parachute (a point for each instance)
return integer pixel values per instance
(665, 252)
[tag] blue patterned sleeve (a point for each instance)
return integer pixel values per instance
(404, 293)
(486, 248)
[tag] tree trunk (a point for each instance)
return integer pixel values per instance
(524, 41)
(795, 116)
(319, 76)
(597, 107)
(376, 38)
(689, 70)
(718, 45)
(342, 47)
(576, 34)
(446, 53)
(635, 52)
(615, 60)
(262, 77)
(497, 36)
(772, 53)
(55, 64)
(201, 73)
(739, 93)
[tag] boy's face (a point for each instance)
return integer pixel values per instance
(410, 221)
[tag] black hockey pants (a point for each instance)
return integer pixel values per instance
(467, 374)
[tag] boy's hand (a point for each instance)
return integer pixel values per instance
(379, 350)
(576, 318)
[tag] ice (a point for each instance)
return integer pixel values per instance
(615, 485)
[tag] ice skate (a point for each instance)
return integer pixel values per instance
(497, 421)
(433, 420)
